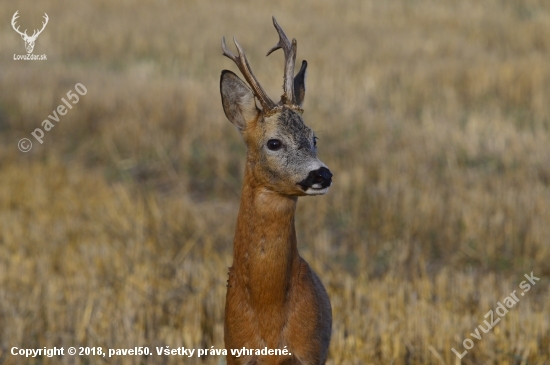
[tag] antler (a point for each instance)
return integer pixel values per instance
(34, 34)
(244, 67)
(43, 26)
(290, 59)
(13, 19)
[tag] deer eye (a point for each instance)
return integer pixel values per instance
(274, 144)
(315, 141)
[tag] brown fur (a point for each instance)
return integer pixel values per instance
(273, 298)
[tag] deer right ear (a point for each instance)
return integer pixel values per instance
(238, 100)
(300, 85)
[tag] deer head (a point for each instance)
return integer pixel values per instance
(282, 150)
(29, 40)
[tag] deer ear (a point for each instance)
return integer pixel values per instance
(238, 100)
(300, 85)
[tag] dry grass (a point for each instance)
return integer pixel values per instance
(433, 115)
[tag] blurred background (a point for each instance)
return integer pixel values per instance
(434, 117)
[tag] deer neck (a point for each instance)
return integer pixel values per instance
(265, 252)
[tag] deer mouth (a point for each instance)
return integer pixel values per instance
(316, 191)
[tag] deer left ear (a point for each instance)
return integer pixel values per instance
(300, 85)
(238, 100)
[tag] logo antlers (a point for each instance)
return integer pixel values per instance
(29, 41)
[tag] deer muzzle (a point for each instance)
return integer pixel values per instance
(317, 181)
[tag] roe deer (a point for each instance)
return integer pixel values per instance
(274, 299)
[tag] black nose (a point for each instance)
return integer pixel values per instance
(321, 178)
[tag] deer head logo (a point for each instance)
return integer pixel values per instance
(29, 41)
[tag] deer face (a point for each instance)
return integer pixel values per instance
(29, 42)
(286, 153)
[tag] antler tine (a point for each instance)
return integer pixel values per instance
(46, 18)
(244, 67)
(13, 20)
(227, 53)
(283, 39)
(290, 59)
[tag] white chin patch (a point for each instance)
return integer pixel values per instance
(316, 191)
